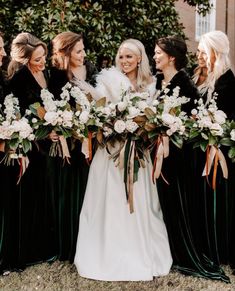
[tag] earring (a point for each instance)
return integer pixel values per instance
(138, 65)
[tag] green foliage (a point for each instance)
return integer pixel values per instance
(104, 23)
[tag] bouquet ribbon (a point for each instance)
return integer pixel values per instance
(2, 146)
(87, 147)
(162, 151)
(215, 155)
(23, 162)
(64, 147)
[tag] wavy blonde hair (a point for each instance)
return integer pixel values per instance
(22, 47)
(214, 42)
(144, 75)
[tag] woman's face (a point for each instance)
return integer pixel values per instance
(77, 54)
(202, 57)
(128, 60)
(2, 50)
(38, 60)
(161, 58)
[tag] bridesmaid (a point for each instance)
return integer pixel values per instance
(216, 210)
(36, 221)
(8, 179)
(177, 199)
(69, 65)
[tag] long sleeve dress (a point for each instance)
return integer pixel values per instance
(70, 179)
(214, 226)
(36, 211)
(8, 204)
(178, 199)
(113, 244)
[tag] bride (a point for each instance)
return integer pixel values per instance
(114, 244)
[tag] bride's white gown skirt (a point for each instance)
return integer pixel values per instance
(114, 245)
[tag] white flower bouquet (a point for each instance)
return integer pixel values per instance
(16, 133)
(165, 122)
(54, 115)
(207, 130)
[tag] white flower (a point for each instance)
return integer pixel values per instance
(232, 134)
(84, 117)
(216, 129)
(155, 102)
(122, 105)
(168, 118)
(51, 118)
(119, 126)
(106, 111)
(131, 126)
(142, 105)
(133, 112)
(34, 120)
(194, 111)
(220, 117)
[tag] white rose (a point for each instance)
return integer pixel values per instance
(168, 118)
(106, 111)
(216, 129)
(142, 105)
(84, 116)
(122, 106)
(119, 126)
(194, 111)
(232, 134)
(131, 126)
(133, 112)
(51, 117)
(220, 117)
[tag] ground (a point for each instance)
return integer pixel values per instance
(61, 276)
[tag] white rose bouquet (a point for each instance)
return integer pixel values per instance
(89, 117)
(53, 115)
(165, 122)
(16, 133)
(207, 129)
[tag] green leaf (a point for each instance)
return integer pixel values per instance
(26, 145)
(203, 145)
(231, 152)
(226, 141)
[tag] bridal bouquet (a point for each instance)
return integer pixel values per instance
(206, 130)
(16, 133)
(54, 115)
(165, 122)
(89, 116)
(124, 137)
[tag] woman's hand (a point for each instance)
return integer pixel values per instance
(53, 136)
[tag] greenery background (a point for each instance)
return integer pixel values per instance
(104, 23)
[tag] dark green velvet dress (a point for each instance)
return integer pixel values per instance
(178, 199)
(215, 224)
(9, 233)
(71, 179)
(35, 209)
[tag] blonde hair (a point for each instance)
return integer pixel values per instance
(144, 75)
(22, 47)
(217, 43)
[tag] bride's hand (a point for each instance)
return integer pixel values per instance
(53, 136)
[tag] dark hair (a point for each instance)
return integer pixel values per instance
(175, 47)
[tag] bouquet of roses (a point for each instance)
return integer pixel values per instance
(206, 130)
(89, 116)
(16, 133)
(124, 137)
(165, 122)
(54, 115)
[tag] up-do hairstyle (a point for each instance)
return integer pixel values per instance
(175, 47)
(22, 48)
(144, 75)
(64, 43)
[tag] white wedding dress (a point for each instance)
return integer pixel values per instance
(114, 245)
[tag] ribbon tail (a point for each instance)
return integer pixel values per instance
(223, 164)
(23, 162)
(166, 150)
(209, 161)
(65, 149)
